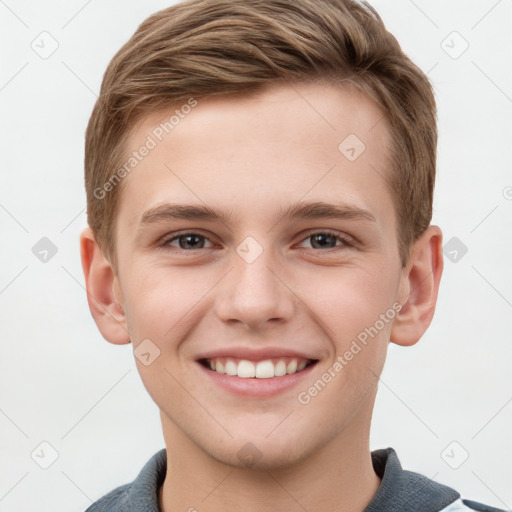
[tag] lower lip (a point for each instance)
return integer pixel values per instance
(257, 388)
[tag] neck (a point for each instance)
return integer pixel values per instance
(339, 476)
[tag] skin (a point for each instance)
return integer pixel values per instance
(251, 156)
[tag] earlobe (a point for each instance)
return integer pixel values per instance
(419, 288)
(103, 292)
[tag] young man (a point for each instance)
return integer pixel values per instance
(259, 178)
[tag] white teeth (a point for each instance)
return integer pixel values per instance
(280, 369)
(261, 370)
(231, 367)
(301, 366)
(291, 367)
(265, 370)
(246, 369)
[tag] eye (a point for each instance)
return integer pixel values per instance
(328, 240)
(191, 241)
(186, 241)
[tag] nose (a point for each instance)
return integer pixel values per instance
(255, 293)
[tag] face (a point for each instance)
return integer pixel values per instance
(257, 249)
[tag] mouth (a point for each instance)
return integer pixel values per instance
(256, 372)
(262, 369)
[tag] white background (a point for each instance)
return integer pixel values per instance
(63, 384)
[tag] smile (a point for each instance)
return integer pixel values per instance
(264, 369)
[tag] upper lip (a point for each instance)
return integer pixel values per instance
(253, 354)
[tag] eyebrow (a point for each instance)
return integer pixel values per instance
(300, 210)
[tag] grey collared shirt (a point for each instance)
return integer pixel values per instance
(400, 490)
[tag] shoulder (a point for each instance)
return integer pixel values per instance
(402, 490)
(115, 501)
(462, 505)
(141, 494)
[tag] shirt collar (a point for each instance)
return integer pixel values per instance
(400, 490)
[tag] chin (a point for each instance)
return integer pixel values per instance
(262, 454)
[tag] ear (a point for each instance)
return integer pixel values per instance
(419, 288)
(103, 291)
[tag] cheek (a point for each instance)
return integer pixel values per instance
(160, 299)
(349, 306)
(349, 301)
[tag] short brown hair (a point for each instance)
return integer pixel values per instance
(201, 48)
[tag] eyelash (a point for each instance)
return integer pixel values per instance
(344, 239)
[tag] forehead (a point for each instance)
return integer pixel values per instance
(265, 150)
